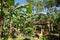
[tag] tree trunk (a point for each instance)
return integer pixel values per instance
(1, 19)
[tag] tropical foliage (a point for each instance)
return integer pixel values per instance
(19, 21)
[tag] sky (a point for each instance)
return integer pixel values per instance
(20, 1)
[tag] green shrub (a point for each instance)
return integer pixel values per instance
(19, 38)
(28, 31)
(43, 37)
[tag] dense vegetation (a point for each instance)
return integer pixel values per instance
(19, 22)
